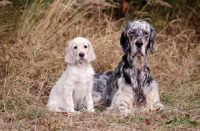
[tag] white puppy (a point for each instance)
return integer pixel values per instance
(74, 88)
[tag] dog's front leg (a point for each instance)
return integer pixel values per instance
(89, 100)
(153, 97)
(68, 98)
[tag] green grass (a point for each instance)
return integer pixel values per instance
(32, 48)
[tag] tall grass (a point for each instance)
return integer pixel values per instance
(34, 59)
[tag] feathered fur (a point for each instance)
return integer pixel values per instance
(74, 88)
(130, 85)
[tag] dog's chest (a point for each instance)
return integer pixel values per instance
(81, 74)
(82, 82)
(80, 90)
(137, 80)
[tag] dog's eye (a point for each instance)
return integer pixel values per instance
(85, 46)
(75, 47)
(132, 32)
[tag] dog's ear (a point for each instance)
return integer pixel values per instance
(151, 39)
(69, 57)
(124, 41)
(91, 54)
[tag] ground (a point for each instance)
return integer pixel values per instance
(32, 59)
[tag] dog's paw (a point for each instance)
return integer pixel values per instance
(122, 110)
(55, 109)
(125, 111)
(157, 106)
(70, 110)
(91, 110)
(76, 112)
(109, 109)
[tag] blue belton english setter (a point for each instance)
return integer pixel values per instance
(130, 85)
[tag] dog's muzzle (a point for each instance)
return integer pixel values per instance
(139, 44)
(81, 56)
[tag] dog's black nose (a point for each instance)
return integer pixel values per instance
(81, 54)
(139, 43)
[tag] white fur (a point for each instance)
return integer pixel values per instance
(152, 97)
(124, 98)
(74, 88)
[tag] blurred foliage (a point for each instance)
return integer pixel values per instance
(23, 3)
(161, 12)
(186, 11)
(32, 41)
(10, 14)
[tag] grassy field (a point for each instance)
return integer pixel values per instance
(32, 48)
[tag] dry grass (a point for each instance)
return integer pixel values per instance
(32, 59)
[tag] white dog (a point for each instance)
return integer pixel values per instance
(74, 88)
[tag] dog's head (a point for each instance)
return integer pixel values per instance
(138, 37)
(79, 50)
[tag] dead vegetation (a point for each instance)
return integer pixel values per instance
(32, 59)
